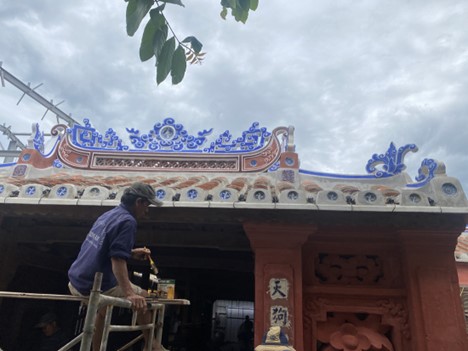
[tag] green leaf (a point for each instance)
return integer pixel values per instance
(232, 4)
(158, 18)
(223, 13)
(240, 14)
(165, 60)
(146, 46)
(225, 3)
(136, 11)
(194, 43)
(244, 4)
(237, 13)
(179, 65)
(159, 39)
(176, 2)
(244, 16)
(253, 4)
(153, 37)
(156, 12)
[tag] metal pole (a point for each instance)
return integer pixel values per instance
(96, 300)
(90, 319)
(71, 343)
(159, 324)
(5, 75)
(131, 342)
(105, 332)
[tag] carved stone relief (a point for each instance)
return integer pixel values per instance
(348, 269)
(353, 332)
(397, 311)
(338, 325)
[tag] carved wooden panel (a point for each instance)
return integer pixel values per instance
(348, 269)
(353, 268)
(347, 324)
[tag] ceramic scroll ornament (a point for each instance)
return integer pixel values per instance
(275, 340)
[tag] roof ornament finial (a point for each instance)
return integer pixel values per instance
(291, 146)
(36, 140)
(391, 161)
(428, 170)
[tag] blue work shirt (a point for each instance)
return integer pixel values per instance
(112, 235)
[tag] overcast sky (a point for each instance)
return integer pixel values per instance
(350, 76)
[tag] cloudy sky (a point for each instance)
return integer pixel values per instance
(351, 76)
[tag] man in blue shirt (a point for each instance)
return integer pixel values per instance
(107, 247)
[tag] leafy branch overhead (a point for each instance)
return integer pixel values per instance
(171, 54)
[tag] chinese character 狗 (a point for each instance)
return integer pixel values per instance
(279, 316)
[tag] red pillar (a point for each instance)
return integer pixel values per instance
(436, 316)
(278, 277)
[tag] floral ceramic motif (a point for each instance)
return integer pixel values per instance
(350, 332)
(349, 339)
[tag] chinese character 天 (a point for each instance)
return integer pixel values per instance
(278, 288)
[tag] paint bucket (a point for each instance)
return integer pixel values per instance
(166, 288)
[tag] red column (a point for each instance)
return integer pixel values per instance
(278, 277)
(436, 315)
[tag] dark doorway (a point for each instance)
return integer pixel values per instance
(202, 275)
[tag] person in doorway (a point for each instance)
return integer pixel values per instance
(106, 249)
(52, 337)
(245, 335)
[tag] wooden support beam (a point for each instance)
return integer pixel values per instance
(231, 240)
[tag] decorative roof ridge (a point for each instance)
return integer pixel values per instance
(167, 148)
(170, 148)
(390, 164)
(168, 137)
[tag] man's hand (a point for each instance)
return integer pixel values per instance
(141, 253)
(119, 267)
(138, 302)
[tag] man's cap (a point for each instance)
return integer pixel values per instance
(143, 190)
(46, 319)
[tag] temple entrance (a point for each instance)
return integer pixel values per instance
(232, 325)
